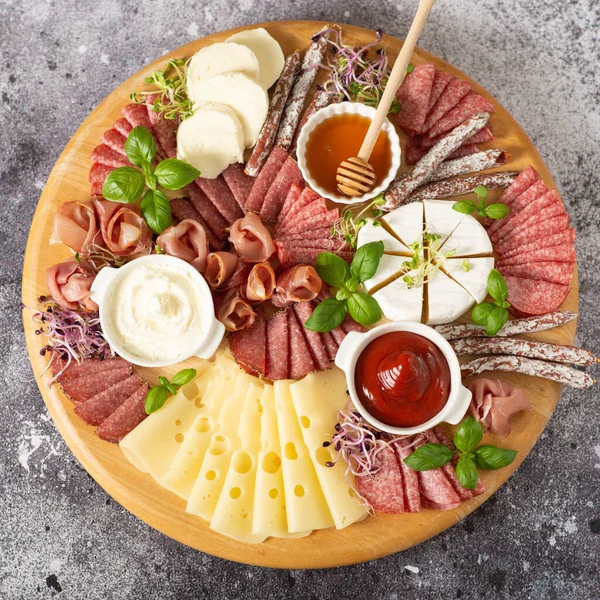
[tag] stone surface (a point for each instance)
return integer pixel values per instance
(62, 536)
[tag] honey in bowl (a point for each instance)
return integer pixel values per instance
(338, 138)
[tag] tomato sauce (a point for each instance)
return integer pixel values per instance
(338, 138)
(402, 379)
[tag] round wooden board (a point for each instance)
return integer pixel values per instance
(370, 539)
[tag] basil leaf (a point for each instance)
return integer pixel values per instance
(429, 456)
(183, 377)
(466, 472)
(490, 457)
(332, 269)
(480, 313)
(343, 294)
(155, 398)
(163, 381)
(496, 286)
(496, 320)
(364, 309)
(327, 315)
(497, 211)
(140, 147)
(352, 284)
(468, 434)
(466, 207)
(124, 184)
(366, 260)
(171, 389)
(174, 174)
(481, 191)
(156, 211)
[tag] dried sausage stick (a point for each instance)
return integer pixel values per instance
(472, 163)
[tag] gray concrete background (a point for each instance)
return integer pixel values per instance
(62, 536)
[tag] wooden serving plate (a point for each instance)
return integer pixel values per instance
(372, 538)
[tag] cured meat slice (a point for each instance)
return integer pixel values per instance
(314, 340)
(290, 256)
(123, 126)
(249, 346)
(330, 345)
(298, 284)
(187, 240)
(464, 150)
(113, 139)
(316, 207)
(126, 418)
(288, 175)
(469, 106)
(239, 183)
(99, 172)
(165, 130)
(326, 219)
(137, 115)
(436, 491)
(218, 192)
(266, 177)
(261, 283)
(278, 349)
(522, 202)
(102, 405)
(301, 362)
(96, 190)
(481, 137)
(183, 209)
(440, 83)
(251, 239)
(383, 489)
(320, 233)
(233, 311)
(338, 335)
(306, 197)
(70, 283)
(292, 197)
(105, 155)
(349, 324)
(522, 183)
(207, 210)
(554, 272)
(409, 477)
(564, 237)
(413, 96)
(559, 254)
(414, 151)
(88, 385)
(533, 232)
(329, 244)
(87, 366)
(531, 297)
(453, 93)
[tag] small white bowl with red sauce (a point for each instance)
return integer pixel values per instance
(403, 377)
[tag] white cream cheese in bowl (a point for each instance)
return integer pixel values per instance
(156, 311)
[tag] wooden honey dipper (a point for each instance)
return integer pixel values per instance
(355, 176)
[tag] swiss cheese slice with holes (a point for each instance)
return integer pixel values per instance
(317, 400)
(234, 511)
(269, 518)
(223, 442)
(304, 500)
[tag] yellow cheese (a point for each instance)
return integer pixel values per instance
(233, 513)
(305, 504)
(224, 440)
(317, 399)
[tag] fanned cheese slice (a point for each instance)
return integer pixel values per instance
(375, 233)
(269, 517)
(399, 302)
(406, 222)
(305, 504)
(471, 273)
(317, 399)
(233, 514)
(447, 300)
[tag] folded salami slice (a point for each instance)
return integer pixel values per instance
(88, 366)
(263, 182)
(278, 347)
(218, 192)
(239, 183)
(249, 346)
(99, 172)
(268, 133)
(89, 384)
(531, 297)
(126, 418)
(123, 126)
(105, 155)
(410, 481)
(537, 230)
(413, 97)
(301, 362)
(487, 159)
(559, 254)
(314, 340)
(113, 139)
(306, 197)
(523, 202)
(292, 197)
(330, 345)
(519, 186)
(165, 130)
(440, 83)
(183, 209)
(469, 106)
(290, 256)
(454, 92)
(316, 207)
(554, 272)
(288, 175)
(320, 220)
(207, 210)
(137, 116)
(564, 237)
(556, 209)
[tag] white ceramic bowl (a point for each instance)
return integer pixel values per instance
(105, 283)
(458, 400)
(354, 108)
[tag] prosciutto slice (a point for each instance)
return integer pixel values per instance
(299, 283)
(70, 283)
(251, 239)
(220, 267)
(494, 403)
(75, 226)
(186, 240)
(261, 283)
(124, 231)
(233, 311)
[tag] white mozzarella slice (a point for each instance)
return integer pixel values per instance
(375, 233)
(267, 50)
(389, 265)
(406, 222)
(241, 93)
(211, 139)
(471, 273)
(447, 300)
(217, 59)
(399, 303)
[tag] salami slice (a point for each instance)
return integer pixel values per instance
(184, 209)
(326, 244)
(268, 133)
(105, 155)
(306, 197)
(464, 150)
(88, 366)
(278, 348)
(531, 297)
(440, 83)
(165, 130)
(410, 481)
(301, 362)
(557, 254)
(239, 183)
(533, 232)
(523, 202)
(123, 126)
(320, 220)
(292, 197)
(216, 221)
(88, 385)
(113, 139)
(338, 335)
(554, 272)
(316, 207)
(564, 237)
(383, 489)
(126, 418)
(218, 192)
(102, 405)
(453, 93)
(469, 106)
(520, 185)
(481, 137)
(314, 340)
(263, 182)
(330, 345)
(413, 97)
(96, 189)
(137, 115)
(249, 346)
(414, 152)
(290, 256)
(321, 233)
(99, 172)
(288, 175)
(349, 324)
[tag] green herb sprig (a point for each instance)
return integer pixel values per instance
(347, 227)
(470, 457)
(492, 211)
(157, 395)
(493, 316)
(335, 271)
(126, 184)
